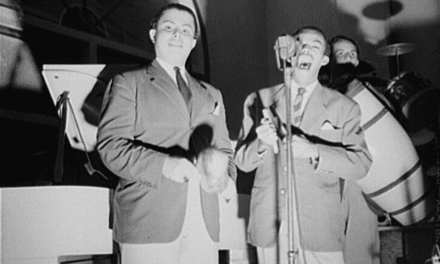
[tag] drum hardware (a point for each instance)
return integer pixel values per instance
(396, 50)
(417, 99)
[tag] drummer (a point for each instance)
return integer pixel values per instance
(362, 243)
(345, 66)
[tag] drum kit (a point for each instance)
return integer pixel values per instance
(416, 101)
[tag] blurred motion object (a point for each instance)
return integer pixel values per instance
(213, 167)
(17, 68)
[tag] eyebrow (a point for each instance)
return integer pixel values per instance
(336, 50)
(318, 41)
(172, 22)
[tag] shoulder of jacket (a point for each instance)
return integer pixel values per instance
(335, 95)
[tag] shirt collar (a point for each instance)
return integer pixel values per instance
(170, 70)
(309, 88)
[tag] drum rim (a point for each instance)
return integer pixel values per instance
(397, 78)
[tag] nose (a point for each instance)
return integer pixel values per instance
(176, 33)
(305, 48)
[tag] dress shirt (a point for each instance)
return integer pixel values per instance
(171, 72)
(309, 89)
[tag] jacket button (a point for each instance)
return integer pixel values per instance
(282, 191)
(285, 168)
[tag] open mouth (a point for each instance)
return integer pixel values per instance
(304, 61)
(304, 65)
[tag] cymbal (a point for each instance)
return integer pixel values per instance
(396, 49)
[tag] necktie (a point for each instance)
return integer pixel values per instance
(297, 106)
(183, 88)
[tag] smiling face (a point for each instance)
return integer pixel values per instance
(345, 52)
(173, 37)
(311, 56)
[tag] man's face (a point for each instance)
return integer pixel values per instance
(174, 37)
(311, 53)
(345, 52)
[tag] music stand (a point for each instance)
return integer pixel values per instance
(77, 92)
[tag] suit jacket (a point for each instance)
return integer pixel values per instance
(144, 118)
(330, 120)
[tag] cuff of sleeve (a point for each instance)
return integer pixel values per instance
(261, 150)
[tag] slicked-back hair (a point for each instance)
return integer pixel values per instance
(327, 48)
(338, 38)
(158, 15)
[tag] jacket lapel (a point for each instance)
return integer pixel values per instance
(315, 109)
(163, 82)
(279, 103)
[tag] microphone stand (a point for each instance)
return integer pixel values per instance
(292, 203)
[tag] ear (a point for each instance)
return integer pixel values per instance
(153, 35)
(325, 60)
(194, 42)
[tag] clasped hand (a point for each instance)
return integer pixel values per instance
(302, 148)
(180, 169)
(266, 132)
(211, 170)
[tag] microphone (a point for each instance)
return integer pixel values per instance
(285, 48)
(268, 115)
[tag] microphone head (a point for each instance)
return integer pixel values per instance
(286, 46)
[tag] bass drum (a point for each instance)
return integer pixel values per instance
(417, 98)
(395, 180)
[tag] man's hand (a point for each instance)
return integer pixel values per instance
(180, 169)
(302, 148)
(213, 167)
(266, 132)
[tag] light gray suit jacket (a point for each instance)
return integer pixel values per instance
(144, 118)
(330, 120)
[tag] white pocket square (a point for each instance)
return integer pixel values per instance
(216, 109)
(327, 126)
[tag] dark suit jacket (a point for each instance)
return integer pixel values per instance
(330, 120)
(144, 118)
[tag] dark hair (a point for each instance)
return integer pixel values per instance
(158, 15)
(338, 38)
(319, 31)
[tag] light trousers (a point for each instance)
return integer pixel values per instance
(278, 254)
(193, 246)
